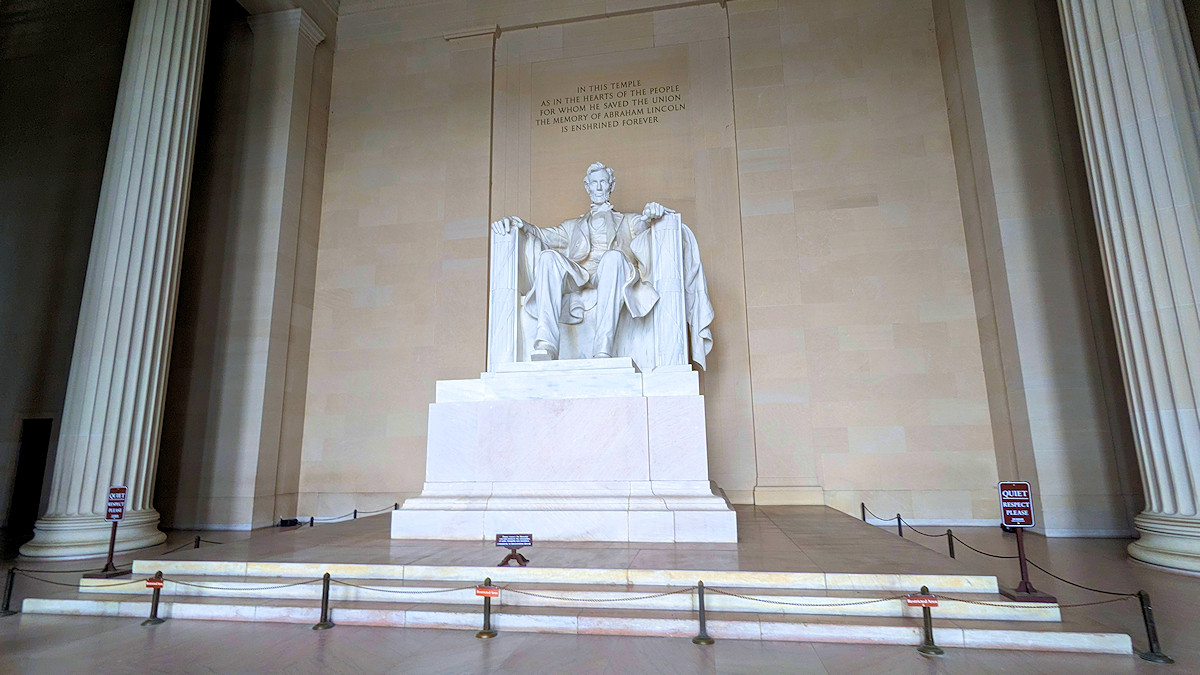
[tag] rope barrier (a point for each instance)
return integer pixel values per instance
(403, 591)
(209, 541)
(688, 589)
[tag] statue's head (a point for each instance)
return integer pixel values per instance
(599, 182)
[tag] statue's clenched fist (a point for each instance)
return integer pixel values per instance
(506, 224)
(654, 211)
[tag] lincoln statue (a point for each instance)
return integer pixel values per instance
(594, 251)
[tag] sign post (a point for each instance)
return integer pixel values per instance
(1016, 511)
(114, 512)
(512, 542)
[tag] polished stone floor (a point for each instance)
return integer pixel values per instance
(779, 538)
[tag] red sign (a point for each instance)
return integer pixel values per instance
(116, 503)
(487, 591)
(1016, 504)
(153, 582)
(921, 600)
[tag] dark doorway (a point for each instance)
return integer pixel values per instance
(26, 497)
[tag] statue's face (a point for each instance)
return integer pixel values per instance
(598, 186)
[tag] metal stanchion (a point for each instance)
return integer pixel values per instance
(1154, 653)
(153, 620)
(862, 507)
(311, 520)
(9, 580)
(486, 633)
(325, 622)
(701, 638)
(928, 648)
(950, 541)
(197, 542)
(356, 514)
(899, 526)
(396, 506)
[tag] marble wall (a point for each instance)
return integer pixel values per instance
(888, 197)
(1053, 372)
(853, 368)
(865, 359)
(231, 446)
(60, 63)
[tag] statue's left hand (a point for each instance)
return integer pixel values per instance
(654, 211)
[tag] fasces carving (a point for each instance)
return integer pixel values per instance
(631, 284)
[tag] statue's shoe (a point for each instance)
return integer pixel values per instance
(542, 351)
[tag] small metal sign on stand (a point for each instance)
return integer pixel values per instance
(925, 600)
(114, 512)
(512, 542)
(1016, 511)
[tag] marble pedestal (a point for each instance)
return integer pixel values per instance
(579, 450)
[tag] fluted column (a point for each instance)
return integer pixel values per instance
(113, 409)
(1138, 97)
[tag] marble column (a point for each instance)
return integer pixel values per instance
(113, 409)
(1137, 92)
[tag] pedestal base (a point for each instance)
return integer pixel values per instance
(568, 518)
(584, 450)
(72, 537)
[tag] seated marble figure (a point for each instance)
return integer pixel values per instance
(603, 284)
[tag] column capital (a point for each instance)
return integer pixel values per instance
(287, 21)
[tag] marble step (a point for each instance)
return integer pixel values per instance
(816, 581)
(757, 600)
(676, 624)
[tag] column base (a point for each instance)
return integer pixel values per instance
(69, 537)
(1169, 541)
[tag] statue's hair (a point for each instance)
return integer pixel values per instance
(599, 166)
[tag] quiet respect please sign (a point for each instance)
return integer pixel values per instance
(1016, 504)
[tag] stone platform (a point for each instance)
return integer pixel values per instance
(576, 450)
(797, 573)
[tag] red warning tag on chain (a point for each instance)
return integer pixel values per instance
(918, 600)
(487, 591)
(152, 582)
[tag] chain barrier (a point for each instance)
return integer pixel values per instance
(804, 604)
(74, 585)
(174, 550)
(1072, 583)
(688, 589)
(403, 591)
(955, 537)
(990, 555)
(873, 514)
(349, 515)
(923, 534)
(1026, 605)
(91, 569)
(241, 588)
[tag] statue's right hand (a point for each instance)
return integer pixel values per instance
(506, 224)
